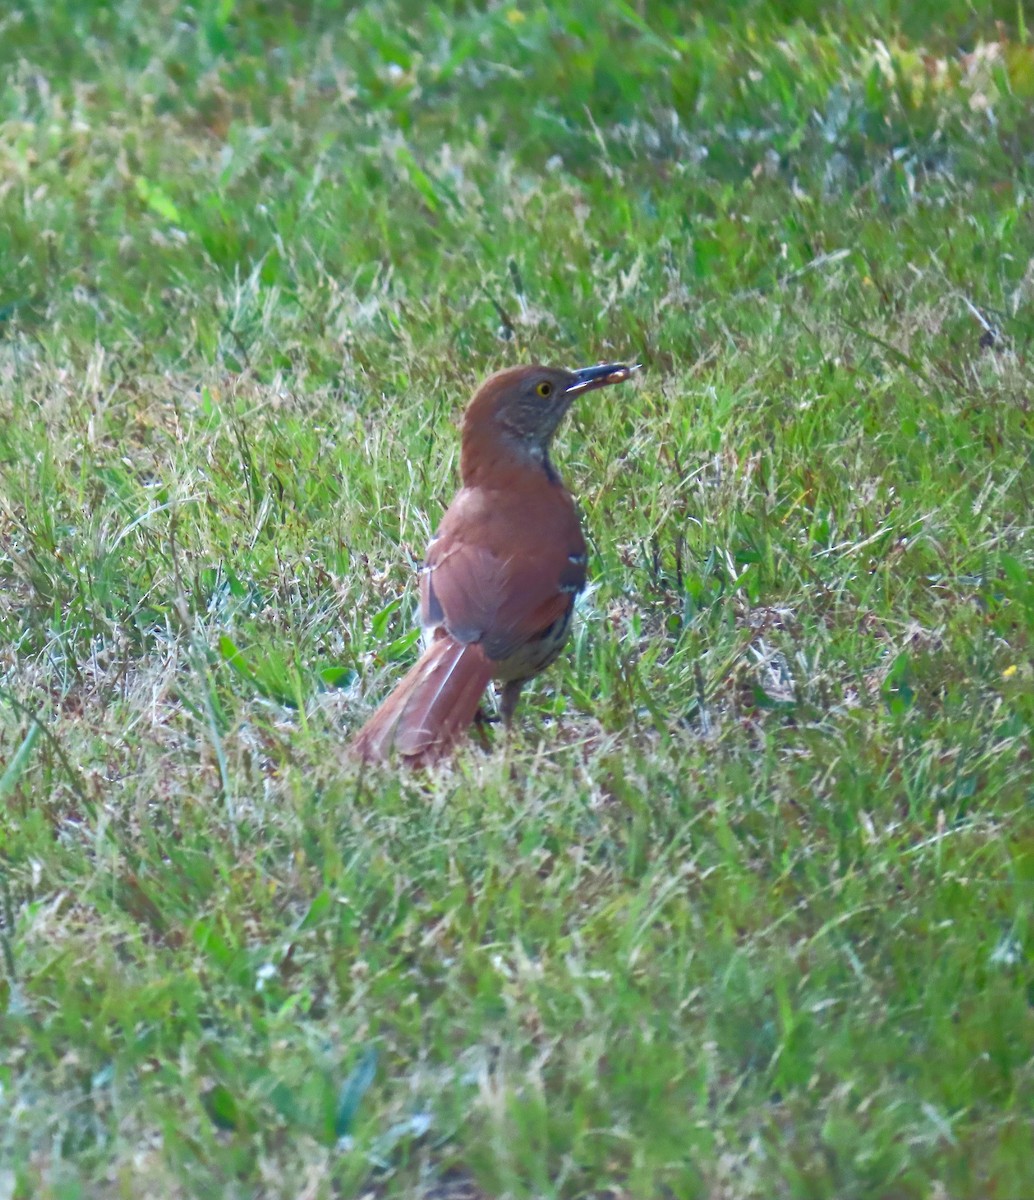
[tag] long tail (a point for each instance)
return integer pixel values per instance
(431, 709)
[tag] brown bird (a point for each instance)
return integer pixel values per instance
(501, 574)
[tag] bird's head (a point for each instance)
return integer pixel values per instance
(517, 411)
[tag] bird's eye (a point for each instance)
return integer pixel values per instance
(544, 388)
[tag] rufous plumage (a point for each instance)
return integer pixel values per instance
(499, 581)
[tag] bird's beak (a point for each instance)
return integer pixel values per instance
(589, 378)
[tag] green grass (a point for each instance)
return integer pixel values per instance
(746, 909)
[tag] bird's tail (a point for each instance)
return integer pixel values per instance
(430, 709)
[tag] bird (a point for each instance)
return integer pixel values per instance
(500, 576)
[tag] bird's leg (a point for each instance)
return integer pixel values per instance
(511, 694)
(482, 720)
(480, 730)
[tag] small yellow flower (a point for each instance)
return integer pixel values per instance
(1009, 672)
(516, 17)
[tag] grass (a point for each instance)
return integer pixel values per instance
(746, 908)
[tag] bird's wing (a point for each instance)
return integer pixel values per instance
(503, 582)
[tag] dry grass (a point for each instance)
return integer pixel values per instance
(744, 910)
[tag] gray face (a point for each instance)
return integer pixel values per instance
(537, 405)
(544, 394)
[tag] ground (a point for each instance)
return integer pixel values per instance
(745, 909)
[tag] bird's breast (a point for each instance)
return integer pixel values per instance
(535, 654)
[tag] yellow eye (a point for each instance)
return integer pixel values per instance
(544, 389)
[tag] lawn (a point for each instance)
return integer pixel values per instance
(745, 908)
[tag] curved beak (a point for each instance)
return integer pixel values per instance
(589, 378)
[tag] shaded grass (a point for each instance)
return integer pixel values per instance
(744, 910)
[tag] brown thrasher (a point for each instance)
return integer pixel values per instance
(502, 572)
